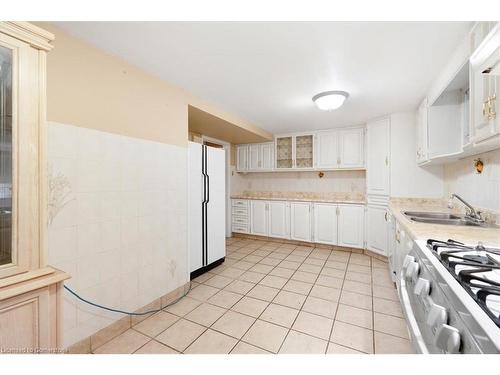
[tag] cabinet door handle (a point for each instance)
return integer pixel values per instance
(386, 160)
(385, 216)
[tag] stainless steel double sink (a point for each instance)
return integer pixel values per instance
(445, 219)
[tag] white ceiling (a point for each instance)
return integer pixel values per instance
(267, 73)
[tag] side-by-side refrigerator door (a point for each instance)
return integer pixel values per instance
(195, 199)
(216, 207)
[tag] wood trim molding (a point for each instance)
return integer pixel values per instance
(42, 280)
(25, 31)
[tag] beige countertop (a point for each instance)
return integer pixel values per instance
(424, 231)
(353, 198)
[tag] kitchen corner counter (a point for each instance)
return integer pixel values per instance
(348, 198)
(424, 231)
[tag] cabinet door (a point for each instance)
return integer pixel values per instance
(300, 217)
(254, 161)
(325, 223)
(279, 219)
(267, 156)
(351, 221)
(304, 147)
(259, 217)
(377, 231)
(351, 148)
(327, 149)
(378, 145)
(242, 158)
(422, 132)
(284, 152)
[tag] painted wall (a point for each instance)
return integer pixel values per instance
(407, 178)
(481, 190)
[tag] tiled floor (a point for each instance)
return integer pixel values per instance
(270, 297)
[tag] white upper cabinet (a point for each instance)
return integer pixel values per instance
(325, 223)
(300, 221)
(267, 156)
(242, 158)
(259, 217)
(378, 157)
(351, 148)
(254, 157)
(326, 144)
(376, 229)
(294, 151)
(351, 229)
(279, 219)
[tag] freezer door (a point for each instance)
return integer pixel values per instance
(216, 206)
(195, 200)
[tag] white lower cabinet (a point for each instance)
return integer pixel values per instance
(259, 217)
(376, 231)
(300, 221)
(350, 228)
(325, 223)
(279, 219)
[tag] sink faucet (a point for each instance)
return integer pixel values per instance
(471, 213)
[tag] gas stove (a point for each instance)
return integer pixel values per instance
(476, 268)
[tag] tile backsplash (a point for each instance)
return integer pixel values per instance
(118, 222)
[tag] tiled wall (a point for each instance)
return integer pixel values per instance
(333, 181)
(482, 190)
(118, 222)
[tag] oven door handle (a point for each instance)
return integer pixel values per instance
(415, 334)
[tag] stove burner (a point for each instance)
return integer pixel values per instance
(473, 267)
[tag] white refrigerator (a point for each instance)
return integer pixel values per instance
(206, 207)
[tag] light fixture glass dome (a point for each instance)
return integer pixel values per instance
(330, 100)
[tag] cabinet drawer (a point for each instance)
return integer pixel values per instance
(242, 220)
(240, 211)
(240, 203)
(240, 228)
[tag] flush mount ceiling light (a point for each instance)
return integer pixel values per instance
(330, 100)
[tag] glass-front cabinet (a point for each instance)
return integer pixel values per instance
(295, 151)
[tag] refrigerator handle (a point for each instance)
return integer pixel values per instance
(202, 191)
(208, 188)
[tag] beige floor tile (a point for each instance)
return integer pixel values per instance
(183, 307)
(329, 281)
(202, 292)
(320, 307)
(262, 253)
(359, 277)
(239, 286)
(205, 314)
(230, 262)
(156, 324)
(243, 265)
(290, 299)
(273, 281)
(263, 292)
(126, 343)
(388, 344)
(280, 315)
(360, 259)
(233, 324)
(388, 307)
(306, 277)
(266, 335)
(296, 258)
(154, 347)
(339, 349)
(252, 277)
(315, 262)
(333, 272)
(386, 293)
(390, 324)
(354, 315)
(355, 299)
(298, 287)
(299, 343)
(250, 306)
(218, 281)
(244, 348)
(236, 255)
(357, 268)
(352, 336)
(324, 292)
(342, 266)
(203, 277)
(290, 265)
(382, 277)
(321, 254)
(232, 272)
(219, 268)
(180, 335)
(262, 268)
(276, 255)
(357, 287)
(270, 261)
(282, 272)
(310, 268)
(314, 325)
(225, 299)
(212, 342)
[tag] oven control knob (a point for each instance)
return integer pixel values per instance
(437, 317)
(422, 288)
(448, 339)
(408, 259)
(412, 271)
